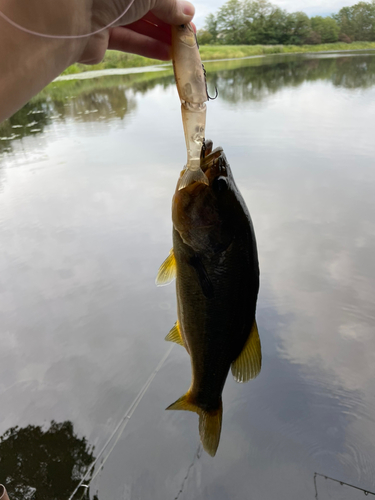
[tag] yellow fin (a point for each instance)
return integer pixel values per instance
(210, 429)
(184, 403)
(249, 362)
(209, 421)
(175, 335)
(167, 271)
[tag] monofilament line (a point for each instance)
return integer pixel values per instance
(121, 426)
(45, 35)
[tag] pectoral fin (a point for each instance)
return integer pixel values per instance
(175, 335)
(249, 362)
(167, 271)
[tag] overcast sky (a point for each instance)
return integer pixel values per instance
(311, 7)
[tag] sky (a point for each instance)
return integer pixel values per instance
(310, 7)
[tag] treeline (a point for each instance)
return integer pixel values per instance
(250, 22)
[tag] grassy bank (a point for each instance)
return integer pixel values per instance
(235, 51)
(115, 59)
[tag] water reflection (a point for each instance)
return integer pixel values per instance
(29, 120)
(258, 82)
(85, 100)
(114, 97)
(40, 464)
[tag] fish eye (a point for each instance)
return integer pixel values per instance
(220, 184)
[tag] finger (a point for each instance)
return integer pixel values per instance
(145, 27)
(126, 40)
(174, 11)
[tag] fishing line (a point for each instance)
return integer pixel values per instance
(197, 456)
(120, 427)
(44, 35)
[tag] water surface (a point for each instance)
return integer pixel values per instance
(87, 173)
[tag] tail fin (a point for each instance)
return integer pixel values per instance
(190, 176)
(210, 429)
(209, 421)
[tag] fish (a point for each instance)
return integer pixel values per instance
(192, 90)
(214, 260)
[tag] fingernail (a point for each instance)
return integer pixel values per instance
(187, 8)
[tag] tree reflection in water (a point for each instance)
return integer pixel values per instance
(257, 82)
(238, 81)
(39, 464)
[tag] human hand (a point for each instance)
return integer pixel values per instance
(63, 38)
(144, 29)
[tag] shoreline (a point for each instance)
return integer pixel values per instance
(160, 66)
(350, 52)
(113, 72)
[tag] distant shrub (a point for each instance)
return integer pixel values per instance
(275, 49)
(344, 38)
(313, 39)
(204, 37)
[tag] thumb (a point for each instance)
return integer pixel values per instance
(174, 11)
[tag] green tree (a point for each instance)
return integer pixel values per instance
(260, 20)
(326, 27)
(358, 21)
(204, 37)
(313, 39)
(363, 15)
(210, 25)
(345, 21)
(230, 23)
(299, 28)
(280, 23)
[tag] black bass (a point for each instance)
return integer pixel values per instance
(215, 262)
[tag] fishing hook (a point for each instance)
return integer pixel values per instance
(205, 81)
(205, 76)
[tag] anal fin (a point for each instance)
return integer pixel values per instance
(249, 362)
(184, 403)
(175, 335)
(167, 271)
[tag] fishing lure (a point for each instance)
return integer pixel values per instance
(191, 85)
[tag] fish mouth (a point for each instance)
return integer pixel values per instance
(214, 163)
(209, 160)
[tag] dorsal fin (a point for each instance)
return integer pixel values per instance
(167, 271)
(249, 362)
(175, 335)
